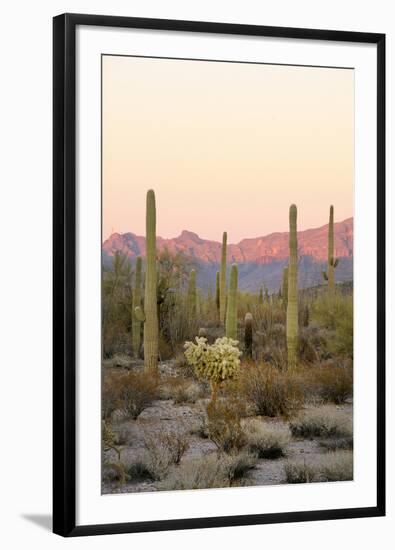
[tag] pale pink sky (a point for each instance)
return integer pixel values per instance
(225, 146)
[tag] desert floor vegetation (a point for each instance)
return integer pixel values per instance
(222, 388)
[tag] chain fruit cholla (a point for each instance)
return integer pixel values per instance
(215, 363)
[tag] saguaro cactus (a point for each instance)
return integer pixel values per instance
(136, 324)
(329, 275)
(231, 312)
(191, 298)
(248, 335)
(217, 293)
(284, 290)
(150, 314)
(260, 297)
(222, 282)
(292, 308)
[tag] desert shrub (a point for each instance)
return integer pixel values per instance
(116, 304)
(121, 433)
(271, 392)
(334, 383)
(165, 349)
(111, 471)
(162, 450)
(311, 344)
(109, 439)
(131, 392)
(334, 466)
(237, 465)
(138, 469)
(114, 471)
(223, 424)
(199, 473)
(345, 443)
(335, 313)
(266, 440)
(210, 471)
(109, 395)
(181, 390)
(321, 423)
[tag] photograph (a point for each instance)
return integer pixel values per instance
(227, 249)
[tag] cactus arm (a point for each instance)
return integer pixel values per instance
(139, 314)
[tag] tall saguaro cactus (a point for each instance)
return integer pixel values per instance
(329, 275)
(217, 293)
(231, 312)
(248, 335)
(292, 307)
(222, 281)
(136, 323)
(150, 314)
(191, 298)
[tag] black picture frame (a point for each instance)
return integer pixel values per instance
(64, 273)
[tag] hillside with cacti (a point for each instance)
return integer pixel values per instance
(219, 384)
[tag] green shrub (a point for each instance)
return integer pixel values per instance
(335, 313)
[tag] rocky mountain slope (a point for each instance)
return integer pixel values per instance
(260, 259)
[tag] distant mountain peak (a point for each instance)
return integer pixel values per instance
(263, 249)
(257, 255)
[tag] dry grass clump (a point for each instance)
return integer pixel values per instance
(271, 392)
(334, 466)
(345, 443)
(266, 440)
(321, 423)
(131, 392)
(210, 471)
(199, 473)
(181, 390)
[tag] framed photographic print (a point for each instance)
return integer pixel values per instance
(219, 274)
